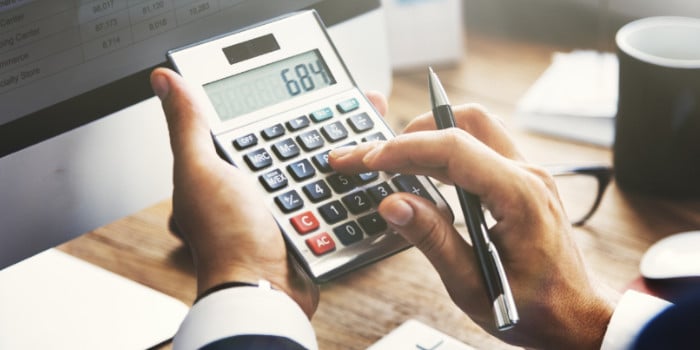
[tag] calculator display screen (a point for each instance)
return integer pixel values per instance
(269, 84)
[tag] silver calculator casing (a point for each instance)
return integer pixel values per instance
(300, 32)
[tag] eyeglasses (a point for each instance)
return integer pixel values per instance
(581, 189)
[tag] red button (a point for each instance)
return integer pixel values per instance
(304, 222)
(321, 244)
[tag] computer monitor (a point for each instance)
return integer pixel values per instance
(83, 141)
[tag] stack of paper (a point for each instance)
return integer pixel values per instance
(56, 301)
(575, 98)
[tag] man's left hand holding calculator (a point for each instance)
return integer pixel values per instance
(231, 238)
(277, 99)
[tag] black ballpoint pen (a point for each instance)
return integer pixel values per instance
(492, 271)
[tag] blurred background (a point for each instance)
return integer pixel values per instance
(585, 23)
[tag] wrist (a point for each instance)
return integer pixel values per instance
(590, 321)
(263, 284)
(210, 278)
(287, 280)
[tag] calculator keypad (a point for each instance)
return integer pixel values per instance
(329, 210)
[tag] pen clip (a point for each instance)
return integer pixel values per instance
(504, 305)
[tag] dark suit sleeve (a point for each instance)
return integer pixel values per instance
(677, 327)
(254, 342)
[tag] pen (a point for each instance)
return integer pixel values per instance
(492, 271)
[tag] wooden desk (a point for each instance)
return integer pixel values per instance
(357, 310)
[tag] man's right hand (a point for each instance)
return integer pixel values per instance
(560, 305)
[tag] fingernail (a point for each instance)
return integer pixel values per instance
(341, 151)
(399, 213)
(160, 86)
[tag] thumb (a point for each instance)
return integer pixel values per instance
(190, 137)
(422, 224)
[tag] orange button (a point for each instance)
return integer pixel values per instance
(321, 244)
(304, 222)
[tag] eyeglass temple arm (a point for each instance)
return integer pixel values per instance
(602, 173)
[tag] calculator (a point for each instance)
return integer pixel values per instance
(281, 98)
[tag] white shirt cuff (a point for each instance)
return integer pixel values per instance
(244, 311)
(631, 314)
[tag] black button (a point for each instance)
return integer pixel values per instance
(301, 170)
(361, 122)
(357, 202)
(246, 141)
(286, 149)
(273, 180)
(289, 201)
(348, 233)
(372, 223)
(334, 132)
(321, 162)
(317, 191)
(272, 132)
(258, 159)
(379, 192)
(298, 123)
(367, 177)
(377, 136)
(310, 140)
(340, 183)
(409, 183)
(333, 212)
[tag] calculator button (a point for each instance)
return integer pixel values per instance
(298, 123)
(348, 233)
(321, 162)
(304, 222)
(259, 159)
(321, 244)
(379, 192)
(334, 132)
(340, 183)
(377, 136)
(317, 191)
(357, 202)
(321, 115)
(333, 212)
(289, 201)
(372, 223)
(286, 149)
(246, 141)
(301, 170)
(367, 177)
(310, 140)
(348, 105)
(272, 132)
(410, 183)
(361, 122)
(273, 180)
